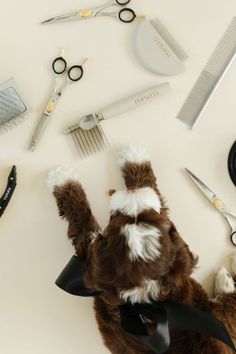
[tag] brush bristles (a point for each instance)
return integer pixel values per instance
(89, 142)
(12, 123)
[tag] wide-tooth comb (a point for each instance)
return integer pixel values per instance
(87, 132)
(89, 142)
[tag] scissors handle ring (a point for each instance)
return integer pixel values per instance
(64, 66)
(233, 238)
(78, 77)
(126, 10)
(122, 3)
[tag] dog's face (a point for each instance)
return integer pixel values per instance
(140, 255)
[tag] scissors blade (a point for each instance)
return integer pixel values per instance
(202, 186)
(70, 16)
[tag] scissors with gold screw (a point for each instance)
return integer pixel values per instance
(63, 75)
(124, 14)
(218, 204)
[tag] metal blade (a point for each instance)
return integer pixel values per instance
(70, 16)
(203, 188)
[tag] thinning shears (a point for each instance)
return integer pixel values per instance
(63, 75)
(218, 204)
(111, 9)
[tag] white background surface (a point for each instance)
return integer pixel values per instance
(35, 316)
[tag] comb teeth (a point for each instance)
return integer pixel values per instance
(210, 77)
(89, 142)
(224, 51)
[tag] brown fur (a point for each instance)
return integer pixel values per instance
(110, 270)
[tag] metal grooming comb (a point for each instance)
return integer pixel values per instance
(88, 134)
(210, 77)
(12, 107)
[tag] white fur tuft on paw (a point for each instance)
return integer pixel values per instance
(59, 176)
(233, 264)
(224, 283)
(133, 154)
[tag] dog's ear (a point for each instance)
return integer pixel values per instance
(182, 262)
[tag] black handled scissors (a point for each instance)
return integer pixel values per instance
(63, 75)
(126, 14)
(11, 185)
(218, 204)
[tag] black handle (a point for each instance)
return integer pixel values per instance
(59, 65)
(233, 238)
(122, 2)
(75, 73)
(126, 15)
(232, 163)
(11, 184)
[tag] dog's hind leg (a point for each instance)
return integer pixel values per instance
(73, 206)
(223, 306)
(114, 337)
(224, 283)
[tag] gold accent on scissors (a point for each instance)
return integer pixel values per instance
(86, 13)
(50, 107)
(217, 203)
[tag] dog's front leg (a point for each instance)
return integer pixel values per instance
(74, 207)
(136, 168)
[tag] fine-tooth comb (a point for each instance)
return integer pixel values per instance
(88, 134)
(12, 108)
(210, 77)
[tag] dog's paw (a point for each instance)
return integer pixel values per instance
(59, 176)
(132, 154)
(224, 283)
(233, 264)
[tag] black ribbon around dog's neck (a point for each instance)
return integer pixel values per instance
(166, 314)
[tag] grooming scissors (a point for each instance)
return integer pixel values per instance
(125, 15)
(218, 204)
(63, 76)
(11, 185)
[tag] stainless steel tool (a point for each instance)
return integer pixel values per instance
(218, 204)
(87, 132)
(210, 78)
(63, 76)
(113, 8)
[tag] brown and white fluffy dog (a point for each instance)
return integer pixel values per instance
(138, 257)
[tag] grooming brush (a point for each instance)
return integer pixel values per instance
(210, 77)
(12, 107)
(88, 134)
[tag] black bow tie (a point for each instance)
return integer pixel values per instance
(166, 314)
